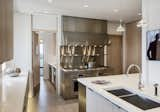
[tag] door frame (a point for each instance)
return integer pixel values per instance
(35, 63)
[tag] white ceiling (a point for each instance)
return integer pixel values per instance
(98, 9)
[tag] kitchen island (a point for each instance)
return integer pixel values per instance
(96, 97)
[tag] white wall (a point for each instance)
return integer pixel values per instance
(22, 41)
(59, 41)
(151, 69)
(45, 22)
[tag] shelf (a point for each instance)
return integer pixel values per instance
(77, 55)
(100, 46)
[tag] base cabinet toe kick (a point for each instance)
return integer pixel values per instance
(90, 101)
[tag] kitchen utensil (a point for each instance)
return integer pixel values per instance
(72, 56)
(84, 54)
(94, 51)
(89, 53)
(91, 64)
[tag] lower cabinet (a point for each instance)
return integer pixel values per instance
(117, 109)
(97, 103)
(91, 101)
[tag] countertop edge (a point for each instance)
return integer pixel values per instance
(13, 98)
(115, 100)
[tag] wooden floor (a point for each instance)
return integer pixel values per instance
(48, 101)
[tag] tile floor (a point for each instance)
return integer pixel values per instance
(48, 101)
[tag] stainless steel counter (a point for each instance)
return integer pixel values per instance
(69, 83)
(88, 69)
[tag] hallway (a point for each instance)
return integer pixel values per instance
(48, 101)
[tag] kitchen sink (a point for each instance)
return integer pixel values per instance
(135, 99)
(141, 102)
(119, 92)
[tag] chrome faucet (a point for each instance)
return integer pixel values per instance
(156, 89)
(140, 85)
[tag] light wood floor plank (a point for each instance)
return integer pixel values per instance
(48, 101)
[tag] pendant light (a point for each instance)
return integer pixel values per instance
(120, 28)
(142, 22)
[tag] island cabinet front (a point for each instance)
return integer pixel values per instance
(97, 103)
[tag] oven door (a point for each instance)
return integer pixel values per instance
(75, 84)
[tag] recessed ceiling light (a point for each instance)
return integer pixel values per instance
(50, 1)
(41, 41)
(115, 10)
(85, 6)
(46, 12)
(140, 14)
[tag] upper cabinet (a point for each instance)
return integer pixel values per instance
(75, 24)
(6, 30)
(1, 30)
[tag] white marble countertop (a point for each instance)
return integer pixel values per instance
(12, 93)
(122, 81)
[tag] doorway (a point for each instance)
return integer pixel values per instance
(35, 63)
(44, 55)
(41, 50)
(115, 53)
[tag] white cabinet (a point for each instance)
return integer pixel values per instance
(97, 103)
(117, 109)
(103, 105)
(91, 101)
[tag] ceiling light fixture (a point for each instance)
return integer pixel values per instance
(140, 14)
(142, 22)
(115, 10)
(120, 28)
(45, 12)
(50, 1)
(85, 6)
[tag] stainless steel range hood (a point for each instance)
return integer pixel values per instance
(80, 30)
(82, 37)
